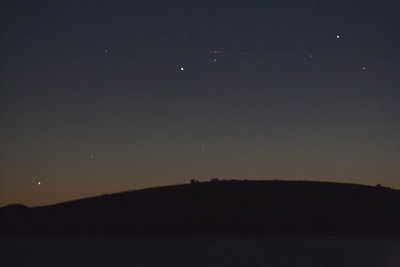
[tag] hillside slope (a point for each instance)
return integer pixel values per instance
(220, 207)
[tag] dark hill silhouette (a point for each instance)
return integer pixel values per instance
(218, 207)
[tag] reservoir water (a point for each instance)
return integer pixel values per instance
(201, 251)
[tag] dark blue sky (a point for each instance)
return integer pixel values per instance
(93, 99)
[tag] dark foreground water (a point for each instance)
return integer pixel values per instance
(201, 251)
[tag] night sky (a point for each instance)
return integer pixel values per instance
(99, 97)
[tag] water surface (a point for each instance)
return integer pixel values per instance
(201, 251)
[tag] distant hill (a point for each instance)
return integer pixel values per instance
(218, 208)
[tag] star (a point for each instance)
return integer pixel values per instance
(39, 183)
(106, 51)
(338, 36)
(364, 68)
(182, 69)
(214, 60)
(91, 156)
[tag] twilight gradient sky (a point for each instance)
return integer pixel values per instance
(93, 99)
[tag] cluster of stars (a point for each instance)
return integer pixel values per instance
(310, 55)
(213, 59)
